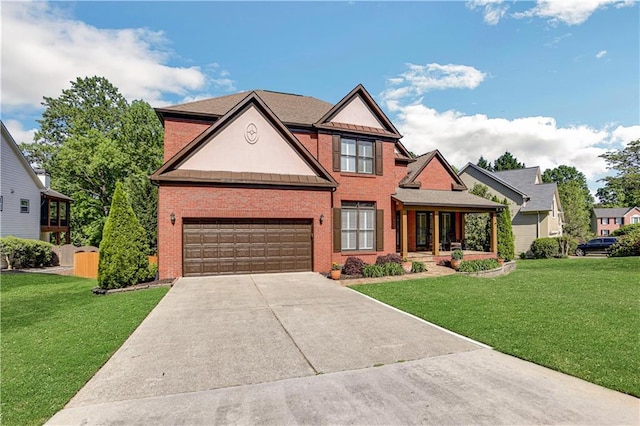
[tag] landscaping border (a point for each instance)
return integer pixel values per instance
(505, 269)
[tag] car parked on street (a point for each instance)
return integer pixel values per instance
(597, 245)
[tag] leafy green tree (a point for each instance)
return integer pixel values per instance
(123, 250)
(506, 248)
(477, 226)
(507, 162)
(623, 189)
(89, 139)
(575, 198)
(484, 164)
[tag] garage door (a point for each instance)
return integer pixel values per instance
(238, 246)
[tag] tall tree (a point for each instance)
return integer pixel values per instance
(623, 189)
(506, 248)
(90, 138)
(575, 198)
(484, 164)
(507, 162)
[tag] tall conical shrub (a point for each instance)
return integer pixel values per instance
(123, 250)
(506, 249)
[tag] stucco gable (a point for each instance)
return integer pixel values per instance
(245, 145)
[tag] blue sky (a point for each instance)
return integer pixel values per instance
(552, 82)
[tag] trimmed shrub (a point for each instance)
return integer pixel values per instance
(457, 254)
(478, 265)
(353, 266)
(626, 229)
(627, 245)
(544, 248)
(393, 268)
(506, 247)
(389, 258)
(123, 250)
(372, 271)
(417, 267)
(25, 253)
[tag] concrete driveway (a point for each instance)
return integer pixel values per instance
(298, 348)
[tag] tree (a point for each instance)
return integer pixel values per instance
(507, 162)
(484, 164)
(506, 249)
(123, 250)
(575, 198)
(477, 225)
(89, 139)
(623, 189)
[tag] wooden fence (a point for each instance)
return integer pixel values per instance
(85, 264)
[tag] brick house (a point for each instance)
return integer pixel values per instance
(606, 220)
(266, 181)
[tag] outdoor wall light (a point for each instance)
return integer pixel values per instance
(321, 219)
(173, 218)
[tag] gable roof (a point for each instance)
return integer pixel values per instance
(389, 129)
(438, 198)
(540, 197)
(169, 172)
(494, 177)
(520, 178)
(20, 156)
(414, 169)
(290, 109)
(612, 211)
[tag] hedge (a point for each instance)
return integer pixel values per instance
(628, 245)
(478, 265)
(544, 248)
(626, 229)
(25, 253)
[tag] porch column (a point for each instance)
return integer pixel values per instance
(494, 233)
(436, 233)
(404, 233)
(462, 220)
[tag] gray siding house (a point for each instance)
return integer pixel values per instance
(535, 206)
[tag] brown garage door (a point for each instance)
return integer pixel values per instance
(239, 246)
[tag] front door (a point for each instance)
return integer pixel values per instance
(423, 230)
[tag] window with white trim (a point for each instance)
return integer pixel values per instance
(604, 232)
(618, 221)
(358, 226)
(24, 205)
(604, 221)
(357, 156)
(635, 219)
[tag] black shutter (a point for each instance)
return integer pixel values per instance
(337, 230)
(379, 230)
(378, 158)
(336, 153)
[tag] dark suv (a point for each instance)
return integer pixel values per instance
(597, 245)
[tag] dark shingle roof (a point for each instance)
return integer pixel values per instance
(289, 108)
(611, 212)
(434, 198)
(540, 194)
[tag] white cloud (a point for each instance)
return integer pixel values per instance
(420, 79)
(570, 12)
(53, 49)
(493, 10)
(18, 132)
(601, 54)
(536, 141)
(557, 40)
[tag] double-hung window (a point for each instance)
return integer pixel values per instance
(358, 226)
(357, 156)
(24, 205)
(604, 221)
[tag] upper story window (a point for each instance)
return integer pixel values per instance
(353, 155)
(604, 221)
(618, 221)
(635, 219)
(356, 156)
(24, 205)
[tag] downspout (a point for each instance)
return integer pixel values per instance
(538, 225)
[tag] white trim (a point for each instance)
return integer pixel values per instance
(468, 339)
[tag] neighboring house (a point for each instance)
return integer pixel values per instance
(28, 207)
(267, 182)
(535, 206)
(606, 220)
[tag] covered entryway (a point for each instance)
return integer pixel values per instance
(246, 246)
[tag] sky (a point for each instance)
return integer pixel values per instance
(552, 82)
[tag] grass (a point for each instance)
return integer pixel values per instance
(55, 335)
(578, 316)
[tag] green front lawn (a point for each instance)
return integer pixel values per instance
(578, 316)
(55, 335)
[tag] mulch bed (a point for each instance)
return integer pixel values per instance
(168, 282)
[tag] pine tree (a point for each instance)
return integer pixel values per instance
(123, 250)
(484, 164)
